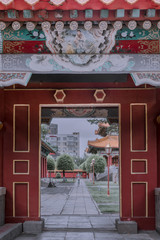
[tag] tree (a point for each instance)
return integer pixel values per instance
(65, 162)
(99, 165)
(50, 167)
(83, 166)
(112, 129)
(79, 160)
(44, 130)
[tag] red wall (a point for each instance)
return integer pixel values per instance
(1, 136)
(69, 175)
(129, 181)
(158, 137)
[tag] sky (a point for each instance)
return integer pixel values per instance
(81, 125)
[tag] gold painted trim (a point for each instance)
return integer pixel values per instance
(81, 105)
(14, 130)
(146, 126)
(139, 160)
(78, 89)
(14, 162)
(14, 184)
(39, 214)
(120, 167)
(132, 197)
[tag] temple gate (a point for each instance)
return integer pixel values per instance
(47, 51)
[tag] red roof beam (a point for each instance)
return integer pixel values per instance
(52, 16)
(78, 4)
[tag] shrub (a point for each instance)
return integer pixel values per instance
(58, 175)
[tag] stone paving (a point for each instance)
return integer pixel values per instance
(80, 201)
(111, 235)
(78, 218)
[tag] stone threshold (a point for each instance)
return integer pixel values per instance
(10, 231)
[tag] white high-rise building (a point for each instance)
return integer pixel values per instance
(66, 143)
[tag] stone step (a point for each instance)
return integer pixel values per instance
(50, 229)
(10, 231)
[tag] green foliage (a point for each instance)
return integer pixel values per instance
(65, 162)
(58, 175)
(75, 166)
(50, 163)
(83, 166)
(113, 128)
(99, 165)
(96, 121)
(79, 160)
(44, 130)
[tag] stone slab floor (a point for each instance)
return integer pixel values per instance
(112, 235)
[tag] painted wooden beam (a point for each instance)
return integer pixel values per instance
(104, 13)
(16, 25)
(132, 25)
(73, 14)
(147, 25)
(135, 13)
(30, 26)
(120, 13)
(150, 13)
(27, 13)
(12, 14)
(50, 63)
(88, 13)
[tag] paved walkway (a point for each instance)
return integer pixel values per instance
(80, 201)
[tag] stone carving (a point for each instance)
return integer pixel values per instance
(8, 79)
(73, 25)
(88, 25)
(30, 26)
(16, 25)
(80, 41)
(147, 24)
(151, 78)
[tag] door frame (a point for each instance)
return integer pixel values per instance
(103, 105)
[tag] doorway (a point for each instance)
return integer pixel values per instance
(81, 132)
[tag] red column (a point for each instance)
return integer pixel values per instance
(45, 167)
(1, 136)
(158, 138)
(41, 167)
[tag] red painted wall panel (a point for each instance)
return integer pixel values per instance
(21, 166)
(138, 127)
(21, 200)
(139, 166)
(139, 200)
(21, 128)
(1, 136)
